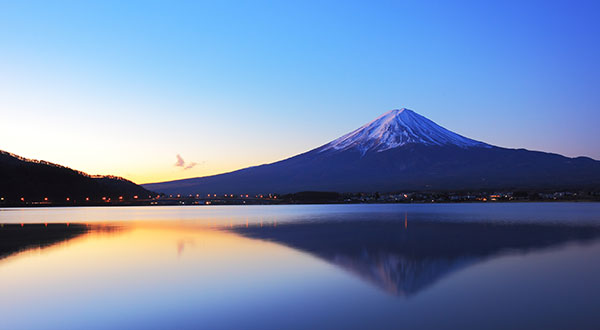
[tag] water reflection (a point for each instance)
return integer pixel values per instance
(405, 258)
(302, 269)
(182, 243)
(15, 238)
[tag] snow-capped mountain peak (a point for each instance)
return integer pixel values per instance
(397, 128)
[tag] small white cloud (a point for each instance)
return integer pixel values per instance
(181, 163)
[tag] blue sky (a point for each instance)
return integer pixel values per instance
(122, 88)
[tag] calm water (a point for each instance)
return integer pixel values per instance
(482, 266)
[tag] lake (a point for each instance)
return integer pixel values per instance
(413, 266)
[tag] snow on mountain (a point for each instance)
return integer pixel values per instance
(397, 128)
(432, 158)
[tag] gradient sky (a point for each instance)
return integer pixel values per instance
(122, 88)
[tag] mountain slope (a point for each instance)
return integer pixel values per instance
(401, 150)
(397, 128)
(35, 180)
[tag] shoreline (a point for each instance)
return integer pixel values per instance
(13, 206)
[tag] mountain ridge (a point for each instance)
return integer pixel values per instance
(397, 128)
(24, 180)
(400, 151)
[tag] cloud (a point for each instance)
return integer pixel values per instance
(181, 163)
(190, 165)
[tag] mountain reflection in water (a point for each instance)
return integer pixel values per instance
(406, 258)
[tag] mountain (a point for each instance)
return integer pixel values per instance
(35, 180)
(398, 128)
(401, 151)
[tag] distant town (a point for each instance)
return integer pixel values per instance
(313, 197)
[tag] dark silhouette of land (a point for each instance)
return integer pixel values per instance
(25, 182)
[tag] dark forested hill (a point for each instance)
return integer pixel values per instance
(29, 180)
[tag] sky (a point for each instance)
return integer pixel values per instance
(163, 90)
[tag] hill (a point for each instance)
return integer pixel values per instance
(27, 180)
